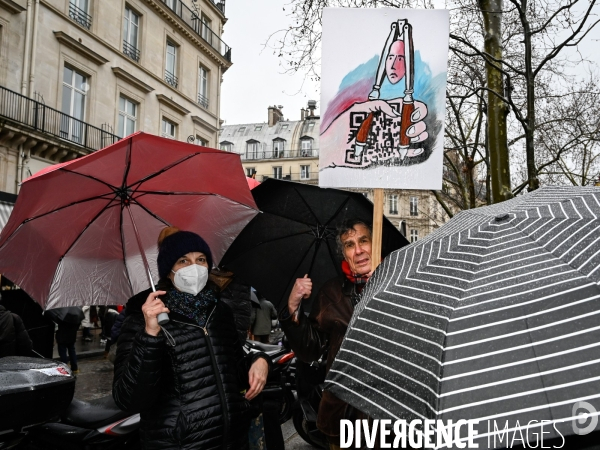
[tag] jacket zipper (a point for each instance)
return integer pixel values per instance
(219, 381)
(217, 376)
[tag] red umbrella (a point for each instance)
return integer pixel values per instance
(76, 231)
(252, 183)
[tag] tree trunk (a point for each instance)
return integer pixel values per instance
(532, 177)
(497, 109)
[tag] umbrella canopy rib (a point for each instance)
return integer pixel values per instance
(28, 220)
(89, 177)
(123, 249)
(158, 172)
(89, 224)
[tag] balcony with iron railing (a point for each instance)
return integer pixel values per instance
(80, 16)
(282, 154)
(171, 79)
(302, 177)
(203, 101)
(202, 29)
(40, 118)
(131, 51)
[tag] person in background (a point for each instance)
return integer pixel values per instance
(108, 320)
(261, 320)
(86, 325)
(66, 336)
(14, 339)
(189, 378)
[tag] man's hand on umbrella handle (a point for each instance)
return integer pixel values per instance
(302, 289)
(151, 309)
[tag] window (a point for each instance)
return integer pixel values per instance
(284, 126)
(311, 126)
(258, 127)
(171, 64)
(252, 150)
(131, 25)
(277, 172)
(414, 235)
(78, 11)
(171, 4)
(168, 129)
(278, 148)
(127, 117)
(305, 172)
(74, 92)
(414, 206)
(203, 87)
(206, 29)
(402, 228)
(227, 146)
(306, 147)
(250, 171)
(241, 130)
(200, 141)
(393, 203)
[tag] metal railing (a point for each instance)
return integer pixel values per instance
(171, 79)
(39, 117)
(202, 100)
(302, 177)
(131, 51)
(194, 21)
(80, 16)
(282, 154)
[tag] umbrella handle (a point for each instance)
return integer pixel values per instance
(162, 318)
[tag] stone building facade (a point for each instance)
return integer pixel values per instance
(289, 149)
(77, 75)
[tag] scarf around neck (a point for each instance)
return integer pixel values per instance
(357, 280)
(195, 307)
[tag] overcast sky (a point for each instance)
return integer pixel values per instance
(256, 79)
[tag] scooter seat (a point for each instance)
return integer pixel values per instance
(267, 348)
(94, 413)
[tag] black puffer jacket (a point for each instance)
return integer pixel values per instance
(189, 394)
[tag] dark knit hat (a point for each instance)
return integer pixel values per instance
(175, 246)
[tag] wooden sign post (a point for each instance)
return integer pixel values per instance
(377, 227)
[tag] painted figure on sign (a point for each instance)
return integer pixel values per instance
(389, 127)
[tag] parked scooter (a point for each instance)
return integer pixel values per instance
(37, 411)
(309, 382)
(93, 425)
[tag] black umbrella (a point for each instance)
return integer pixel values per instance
(69, 314)
(494, 316)
(295, 234)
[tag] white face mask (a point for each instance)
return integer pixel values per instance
(191, 279)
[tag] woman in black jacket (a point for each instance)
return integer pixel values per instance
(186, 378)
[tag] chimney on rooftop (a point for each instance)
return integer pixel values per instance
(302, 114)
(275, 114)
(312, 105)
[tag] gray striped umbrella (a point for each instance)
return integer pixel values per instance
(493, 317)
